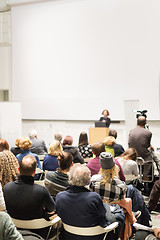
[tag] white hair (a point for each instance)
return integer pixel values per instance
(32, 133)
(79, 175)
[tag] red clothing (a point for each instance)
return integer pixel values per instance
(94, 166)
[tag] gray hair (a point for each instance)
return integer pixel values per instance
(79, 175)
(32, 133)
(58, 137)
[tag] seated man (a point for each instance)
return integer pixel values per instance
(77, 206)
(56, 181)
(26, 200)
(38, 146)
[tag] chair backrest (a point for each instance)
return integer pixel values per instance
(35, 223)
(53, 188)
(89, 231)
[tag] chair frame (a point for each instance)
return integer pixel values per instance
(90, 231)
(38, 224)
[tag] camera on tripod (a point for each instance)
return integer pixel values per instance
(141, 113)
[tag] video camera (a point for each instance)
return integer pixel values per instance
(141, 113)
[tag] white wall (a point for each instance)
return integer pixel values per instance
(77, 57)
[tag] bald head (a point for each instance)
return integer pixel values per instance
(79, 175)
(27, 165)
(141, 121)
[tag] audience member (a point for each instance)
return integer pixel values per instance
(106, 183)
(26, 200)
(50, 161)
(128, 162)
(105, 118)
(94, 164)
(38, 146)
(58, 137)
(25, 145)
(109, 143)
(16, 150)
(140, 139)
(8, 164)
(84, 147)
(67, 147)
(79, 207)
(118, 148)
(56, 181)
(8, 229)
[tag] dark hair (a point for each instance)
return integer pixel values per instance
(3, 145)
(68, 140)
(130, 153)
(27, 167)
(97, 148)
(141, 121)
(83, 139)
(65, 160)
(106, 111)
(112, 133)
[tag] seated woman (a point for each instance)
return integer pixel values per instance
(8, 164)
(67, 147)
(50, 161)
(129, 164)
(105, 118)
(56, 181)
(25, 145)
(106, 183)
(109, 143)
(84, 147)
(112, 190)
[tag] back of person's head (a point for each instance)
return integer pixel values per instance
(25, 143)
(65, 160)
(68, 140)
(108, 167)
(130, 153)
(33, 133)
(105, 110)
(97, 148)
(27, 165)
(55, 148)
(79, 175)
(141, 121)
(112, 133)
(18, 141)
(58, 137)
(83, 139)
(110, 141)
(3, 145)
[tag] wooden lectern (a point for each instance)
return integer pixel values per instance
(97, 134)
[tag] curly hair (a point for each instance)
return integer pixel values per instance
(8, 167)
(25, 143)
(109, 174)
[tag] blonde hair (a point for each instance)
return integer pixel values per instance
(55, 148)
(25, 143)
(109, 174)
(109, 141)
(8, 167)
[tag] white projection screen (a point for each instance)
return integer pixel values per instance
(74, 58)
